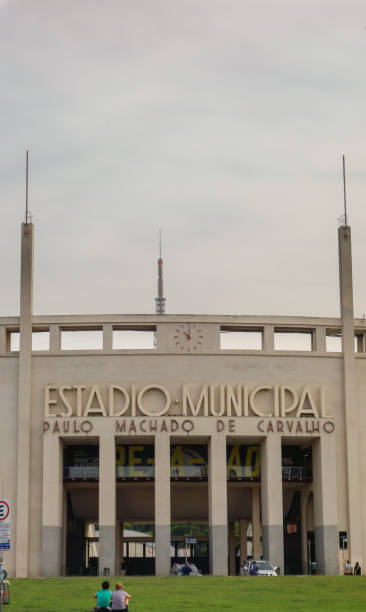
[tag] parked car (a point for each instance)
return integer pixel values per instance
(265, 568)
(177, 569)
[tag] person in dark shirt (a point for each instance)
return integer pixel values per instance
(357, 569)
(186, 569)
(254, 569)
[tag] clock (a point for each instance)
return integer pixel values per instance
(188, 337)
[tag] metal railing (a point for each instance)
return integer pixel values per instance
(81, 472)
(294, 472)
(187, 471)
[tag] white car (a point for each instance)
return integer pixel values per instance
(265, 568)
(177, 570)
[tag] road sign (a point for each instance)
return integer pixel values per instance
(5, 524)
(191, 540)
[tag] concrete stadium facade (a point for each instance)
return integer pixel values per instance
(298, 497)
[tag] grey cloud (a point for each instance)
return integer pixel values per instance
(222, 122)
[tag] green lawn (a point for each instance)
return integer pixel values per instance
(195, 594)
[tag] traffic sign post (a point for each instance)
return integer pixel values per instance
(5, 516)
(1, 580)
(190, 541)
(5, 524)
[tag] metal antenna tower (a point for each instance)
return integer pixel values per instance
(28, 214)
(26, 188)
(160, 300)
(344, 191)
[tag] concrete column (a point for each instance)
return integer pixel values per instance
(360, 343)
(256, 524)
(107, 504)
(325, 505)
(304, 530)
(24, 402)
(122, 546)
(268, 338)
(3, 339)
(217, 505)
(64, 532)
(52, 506)
(162, 505)
(320, 340)
(118, 548)
(107, 337)
(243, 540)
(272, 504)
(351, 406)
(232, 549)
(54, 338)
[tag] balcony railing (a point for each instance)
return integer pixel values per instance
(289, 473)
(78, 472)
(297, 473)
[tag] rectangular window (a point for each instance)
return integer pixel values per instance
(333, 342)
(135, 461)
(241, 339)
(81, 462)
(40, 341)
(288, 340)
(359, 343)
(243, 461)
(134, 339)
(188, 461)
(14, 341)
(343, 540)
(81, 339)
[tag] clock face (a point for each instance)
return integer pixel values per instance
(188, 337)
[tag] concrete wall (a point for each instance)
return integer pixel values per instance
(164, 366)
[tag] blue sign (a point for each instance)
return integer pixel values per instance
(4, 545)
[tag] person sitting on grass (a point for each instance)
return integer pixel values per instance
(103, 597)
(357, 569)
(347, 568)
(120, 599)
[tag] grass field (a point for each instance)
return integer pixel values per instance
(194, 594)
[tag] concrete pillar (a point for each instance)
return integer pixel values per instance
(54, 338)
(304, 530)
(107, 504)
(217, 505)
(256, 524)
(107, 337)
(320, 339)
(64, 532)
(351, 406)
(24, 402)
(162, 505)
(325, 505)
(272, 504)
(3, 340)
(232, 549)
(118, 548)
(122, 546)
(268, 338)
(243, 540)
(52, 506)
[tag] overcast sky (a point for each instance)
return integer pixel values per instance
(222, 122)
